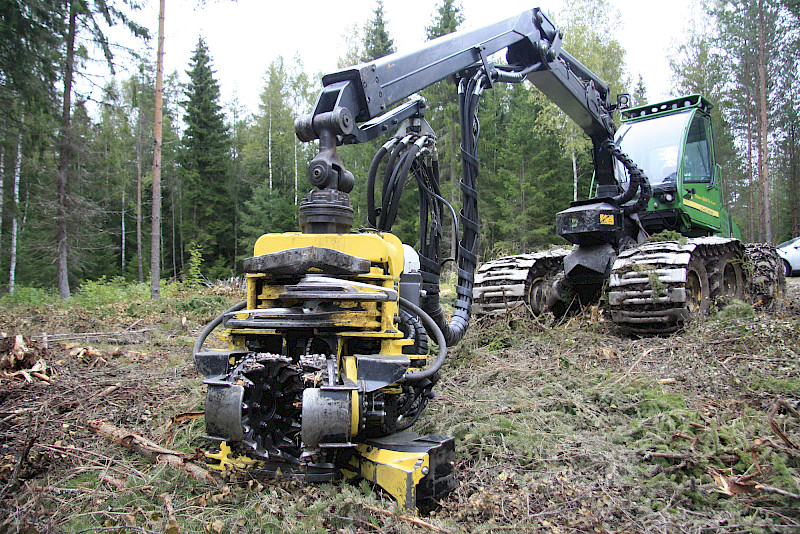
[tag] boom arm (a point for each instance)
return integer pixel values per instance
(353, 105)
(356, 105)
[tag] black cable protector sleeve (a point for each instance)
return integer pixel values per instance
(639, 181)
(454, 330)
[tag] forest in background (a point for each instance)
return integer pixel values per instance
(76, 176)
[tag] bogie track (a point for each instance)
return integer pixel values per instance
(655, 288)
(522, 282)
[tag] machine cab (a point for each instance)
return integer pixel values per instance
(673, 143)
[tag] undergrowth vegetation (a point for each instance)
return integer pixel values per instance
(560, 427)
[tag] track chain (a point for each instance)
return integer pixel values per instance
(656, 288)
(504, 284)
(766, 282)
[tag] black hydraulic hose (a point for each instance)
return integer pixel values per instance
(454, 330)
(213, 324)
(392, 179)
(373, 171)
(397, 189)
(390, 167)
(506, 76)
(433, 331)
(638, 182)
(444, 202)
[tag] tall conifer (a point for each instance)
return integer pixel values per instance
(377, 41)
(206, 166)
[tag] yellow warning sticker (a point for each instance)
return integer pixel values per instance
(607, 218)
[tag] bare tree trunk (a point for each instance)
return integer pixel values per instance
(155, 231)
(750, 156)
(180, 223)
(760, 170)
(234, 184)
(2, 178)
(12, 270)
(172, 216)
(65, 149)
(269, 147)
(139, 188)
(794, 189)
(574, 174)
(522, 204)
(122, 243)
(762, 88)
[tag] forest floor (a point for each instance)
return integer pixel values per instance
(560, 426)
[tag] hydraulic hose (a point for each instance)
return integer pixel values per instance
(373, 171)
(513, 76)
(213, 324)
(639, 181)
(454, 330)
(397, 189)
(433, 331)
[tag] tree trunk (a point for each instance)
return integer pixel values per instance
(172, 216)
(139, 188)
(750, 152)
(155, 231)
(269, 147)
(180, 223)
(794, 188)
(65, 149)
(122, 241)
(12, 270)
(574, 174)
(2, 179)
(762, 98)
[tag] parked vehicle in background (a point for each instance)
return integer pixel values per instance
(789, 252)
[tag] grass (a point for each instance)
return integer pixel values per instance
(561, 426)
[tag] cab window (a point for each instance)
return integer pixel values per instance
(697, 164)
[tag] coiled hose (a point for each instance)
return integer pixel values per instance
(639, 181)
(213, 324)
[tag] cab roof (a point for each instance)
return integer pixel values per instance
(668, 107)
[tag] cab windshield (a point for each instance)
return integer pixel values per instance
(654, 145)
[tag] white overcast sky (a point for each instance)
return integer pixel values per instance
(244, 37)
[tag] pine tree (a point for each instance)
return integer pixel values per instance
(205, 166)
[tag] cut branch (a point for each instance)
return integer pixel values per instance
(151, 450)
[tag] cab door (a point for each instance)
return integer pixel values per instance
(700, 178)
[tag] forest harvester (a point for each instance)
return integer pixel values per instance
(327, 364)
(654, 287)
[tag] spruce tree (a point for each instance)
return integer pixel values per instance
(205, 166)
(377, 41)
(447, 19)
